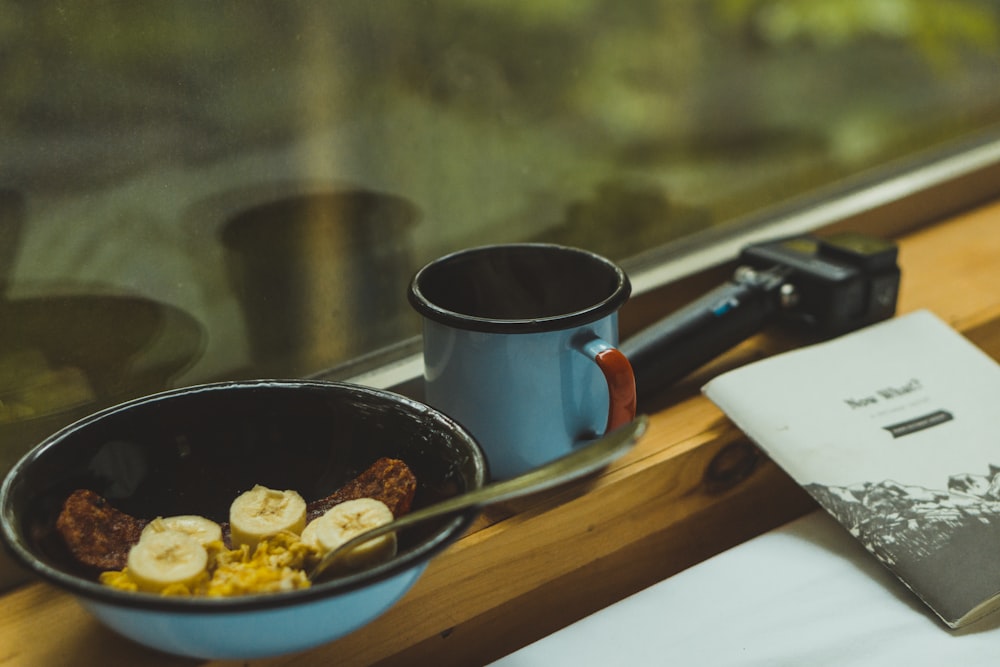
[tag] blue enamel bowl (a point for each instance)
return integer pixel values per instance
(191, 451)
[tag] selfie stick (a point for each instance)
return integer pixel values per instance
(830, 285)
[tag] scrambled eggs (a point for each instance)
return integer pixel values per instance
(277, 564)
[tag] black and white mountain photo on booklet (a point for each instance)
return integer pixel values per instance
(950, 535)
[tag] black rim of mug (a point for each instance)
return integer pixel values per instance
(599, 309)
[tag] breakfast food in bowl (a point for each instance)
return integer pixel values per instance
(76, 505)
(266, 546)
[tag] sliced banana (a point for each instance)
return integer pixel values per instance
(202, 529)
(262, 512)
(342, 522)
(165, 558)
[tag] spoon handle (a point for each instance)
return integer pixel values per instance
(578, 463)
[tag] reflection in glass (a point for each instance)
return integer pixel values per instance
(318, 277)
(129, 129)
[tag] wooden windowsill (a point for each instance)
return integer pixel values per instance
(691, 488)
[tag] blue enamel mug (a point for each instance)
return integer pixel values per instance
(519, 346)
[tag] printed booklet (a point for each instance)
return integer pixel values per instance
(895, 431)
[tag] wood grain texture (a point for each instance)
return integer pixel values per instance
(691, 488)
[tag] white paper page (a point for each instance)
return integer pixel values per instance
(824, 412)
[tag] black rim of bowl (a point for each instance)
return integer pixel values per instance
(419, 554)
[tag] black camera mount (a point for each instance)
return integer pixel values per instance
(829, 285)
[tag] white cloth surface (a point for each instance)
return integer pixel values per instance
(803, 594)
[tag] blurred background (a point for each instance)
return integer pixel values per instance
(193, 191)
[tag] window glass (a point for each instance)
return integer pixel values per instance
(193, 191)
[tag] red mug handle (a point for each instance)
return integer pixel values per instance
(620, 378)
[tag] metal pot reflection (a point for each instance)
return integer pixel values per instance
(64, 356)
(321, 277)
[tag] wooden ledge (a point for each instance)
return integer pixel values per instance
(691, 488)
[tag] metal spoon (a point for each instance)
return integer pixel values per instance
(581, 462)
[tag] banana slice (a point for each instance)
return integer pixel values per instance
(262, 512)
(342, 522)
(202, 529)
(165, 558)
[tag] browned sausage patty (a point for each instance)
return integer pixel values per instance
(97, 534)
(388, 480)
